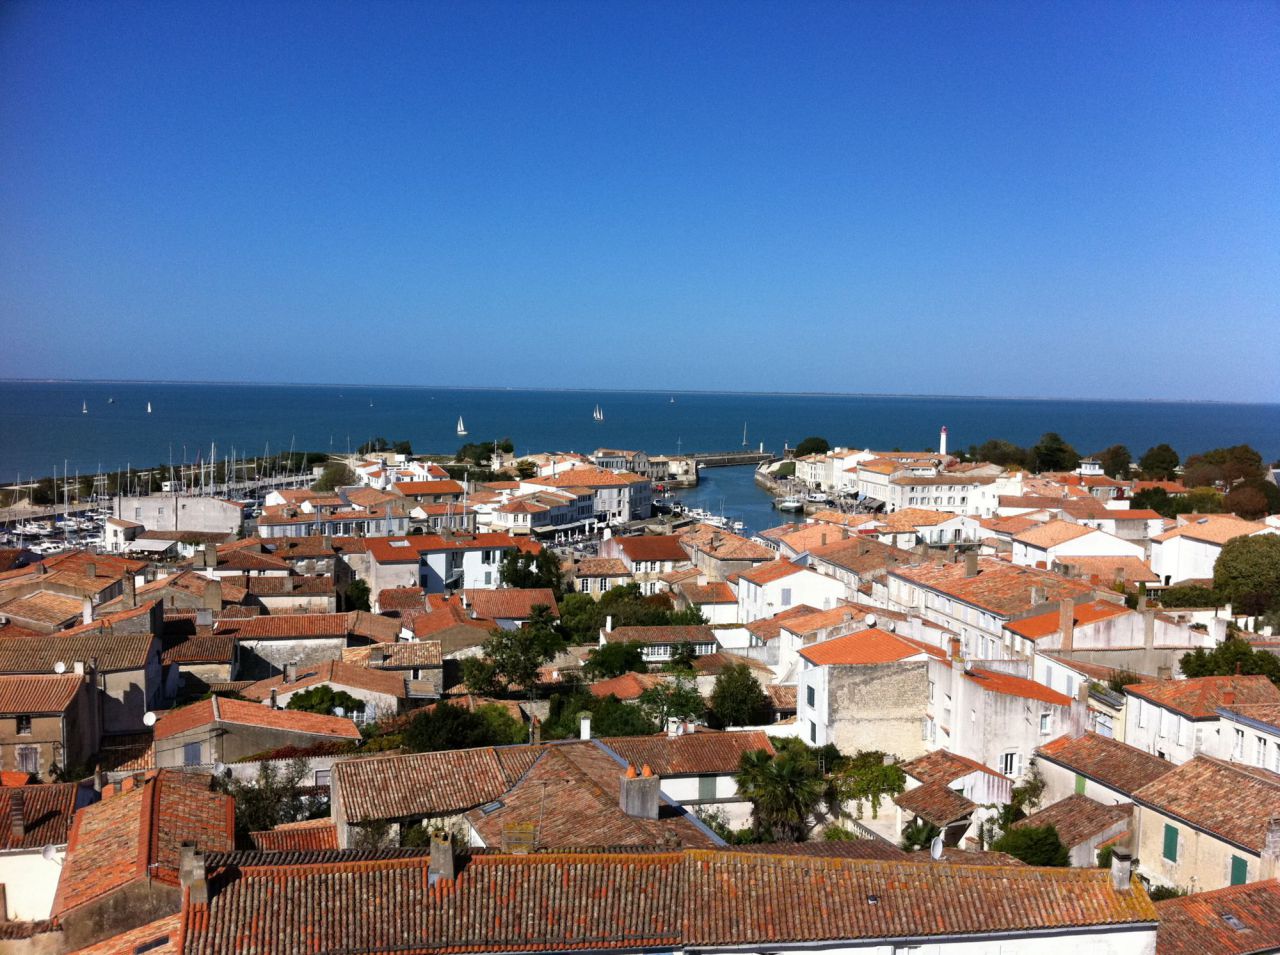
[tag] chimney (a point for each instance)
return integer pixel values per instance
(130, 591)
(1067, 624)
(1080, 711)
(971, 564)
(535, 730)
(213, 595)
(673, 727)
(1122, 867)
(1270, 866)
(1142, 602)
(1149, 629)
(78, 668)
(584, 725)
(1228, 696)
(210, 555)
(286, 584)
(291, 672)
(86, 610)
(192, 874)
(17, 818)
(639, 794)
(272, 701)
(955, 648)
(443, 863)
(608, 624)
(204, 617)
(91, 570)
(1164, 673)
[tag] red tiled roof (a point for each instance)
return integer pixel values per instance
(226, 710)
(137, 834)
(712, 592)
(1078, 818)
(1198, 924)
(867, 647)
(690, 754)
(47, 813)
(640, 901)
(769, 628)
(1115, 765)
(291, 626)
(401, 550)
(1046, 624)
(1212, 529)
(308, 835)
(1011, 685)
(935, 803)
(113, 651)
(999, 587)
(661, 634)
(601, 567)
(774, 570)
(161, 937)
(37, 694)
(664, 547)
(511, 603)
(1228, 800)
(1199, 698)
(428, 784)
(333, 673)
(412, 488)
(943, 766)
(626, 686)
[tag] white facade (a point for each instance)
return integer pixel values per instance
(1169, 735)
(1095, 544)
(1240, 739)
(30, 883)
(758, 601)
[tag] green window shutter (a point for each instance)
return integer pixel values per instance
(1079, 785)
(1239, 870)
(706, 788)
(1170, 843)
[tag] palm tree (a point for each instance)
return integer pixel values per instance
(783, 792)
(917, 834)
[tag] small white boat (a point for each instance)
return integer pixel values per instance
(791, 503)
(738, 526)
(84, 407)
(148, 407)
(598, 414)
(462, 428)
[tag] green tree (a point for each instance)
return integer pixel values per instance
(1115, 461)
(480, 676)
(1237, 463)
(1034, 845)
(1157, 499)
(1200, 500)
(325, 699)
(482, 451)
(682, 658)
(1159, 463)
(1004, 453)
(784, 791)
(518, 654)
(524, 570)
(1189, 595)
(614, 659)
(377, 445)
(357, 595)
(274, 797)
(581, 618)
(1202, 474)
(918, 834)
(403, 447)
(737, 699)
(445, 726)
(1052, 453)
(609, 715)
(1247, 502)
(43, 492)
(1247, 573)
(678, 698)
(526, 469)
(812, 445)
(1231, 656)
(335, 475)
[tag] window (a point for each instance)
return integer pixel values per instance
(786, 596)
(1239, 870)
(1237, 748)
(1046, 724)
(322, 777)
(1260, 751)
(29, 759)
(1170, 843)
(1080, 784)
(190, 754)
(1009, 764)
(1143, 712)
(706, 788)
(810, 696)
(488, 578)
(24, 725)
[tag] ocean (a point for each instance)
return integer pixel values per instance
(42, 423)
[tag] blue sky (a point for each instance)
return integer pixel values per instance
(1076, 199)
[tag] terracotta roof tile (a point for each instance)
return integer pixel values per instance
(334, 673)
(1052, 533)
(999, 587)
(774, 570)
(511, 603)
(1078, 818)
(1199, 698)
(47, 813)
(867, 647)
(312, 834)
(935, 803)
(627, 686)
(601, 567)
(943, 766)
(36, 694)
(1239, 920)
(1115, 765)
(661, 634)
(662, 547)
(1228, 800)
(161, 937)
(690, 754)
(238, 712)
(1046, 624)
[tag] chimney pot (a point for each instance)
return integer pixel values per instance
(130, 591)
(192, 874)
(91, 570)
(584, 726)
(291, 672)
(86, 610)
(1122, 868)
(17, 815)
(971, 564)
(443, 863)
(640, 796)
(274, 705)
(1067, 624)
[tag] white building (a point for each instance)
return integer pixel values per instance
(1052, 541)
(1178, 719)
(1189, 551)
(772, 588)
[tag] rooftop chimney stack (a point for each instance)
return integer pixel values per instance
(1271, 850)
(443, 862)
(1067, 624)
(291, 672)
(1122, 867)
(584, 726)
(130, 591)
(204, 617)
(17, 818)
(271, 701)
(673, 727)
(86, 610)
(91, 570)
(639, 794)
(192, 874)
(971, 564)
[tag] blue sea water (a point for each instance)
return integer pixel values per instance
(42, 424)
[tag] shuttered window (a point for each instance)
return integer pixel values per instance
(1170, 843)
(1239, 870)
(1079, 785)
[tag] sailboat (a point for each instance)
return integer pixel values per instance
(462, 428)
(598, 414)
(148, 407)
(84, 407)
(111, 401)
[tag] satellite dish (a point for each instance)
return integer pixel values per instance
(148, 718)
(59, 667)
(891, 626)
(869, 620)
(219, 768)
(935, 848)
(339, 711)
(49, 853)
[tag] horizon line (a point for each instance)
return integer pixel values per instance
(240, 383)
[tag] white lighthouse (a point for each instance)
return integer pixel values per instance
(942, 440)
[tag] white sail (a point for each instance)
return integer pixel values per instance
(598, 414)
(84, 407)
(462, 428)
(148, 407)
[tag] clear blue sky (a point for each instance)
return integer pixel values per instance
(1073, 199)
